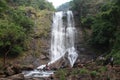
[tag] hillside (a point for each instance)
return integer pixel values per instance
(24, 30)
(64, 7)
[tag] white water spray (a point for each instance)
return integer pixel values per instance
(63, 37)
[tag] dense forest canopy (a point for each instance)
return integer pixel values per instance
(16, 24)
(38, 4)
(102, 17)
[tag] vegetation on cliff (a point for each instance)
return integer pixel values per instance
(102, 18)
(64, 7)
(17, 24)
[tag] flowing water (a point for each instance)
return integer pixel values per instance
(63, 37)
(62, 41)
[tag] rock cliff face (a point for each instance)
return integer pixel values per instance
(84, 50)
(39, 44)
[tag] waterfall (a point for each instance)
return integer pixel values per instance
(63, 37)
(62, 42)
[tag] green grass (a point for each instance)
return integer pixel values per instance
(61, 74)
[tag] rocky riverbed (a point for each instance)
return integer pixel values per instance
(87, 70)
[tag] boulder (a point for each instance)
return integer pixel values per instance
(80, 65)
(28, 67)
(17, 68)
(5, 79)
(2, 76)
(1, 72)
(13, 69)
(9, 71)
(58, 64)
(16, 77)
(42, 57)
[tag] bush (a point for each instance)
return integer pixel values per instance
(74, 71)
(93, 73)
(83, 71)
(61, 74)
(87, 22)
(20, 19)
(102, 69)
(116, 55)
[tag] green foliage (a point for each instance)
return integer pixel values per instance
(16, 50)
(81, 6)
(61, 74)
(43, 22)
(103, 34)
(83, 71)
(37, 4)
(74, 71)
(11, 37)
(87, 22)
(20, 19)
(103, 18)
(105, 27)
(3, 5)
(103, 69)
(64, 7)
(94, 73)
(116, 55)
(16, 23)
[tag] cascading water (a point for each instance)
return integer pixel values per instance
(63, 37)
(62, 41)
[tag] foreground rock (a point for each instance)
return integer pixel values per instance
(17, 77)
(28, 67)
(16, 69)
(9, 71)
(14, 77)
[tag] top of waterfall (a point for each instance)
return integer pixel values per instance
(57, 3)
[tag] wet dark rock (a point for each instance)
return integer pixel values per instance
(17, 68)
(12, 70)
(9, 71)
(36, 63)
(2, 76)
(5, 79)
(16, 77)
(28, 67)
(36, 79)
(1, 72)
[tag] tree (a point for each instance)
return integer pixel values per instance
(3, 6)
(37, 4)
(106, 30)
(11, 39)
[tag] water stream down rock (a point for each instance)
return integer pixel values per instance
(62, 41)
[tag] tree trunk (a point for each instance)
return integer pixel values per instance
(5, 56)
